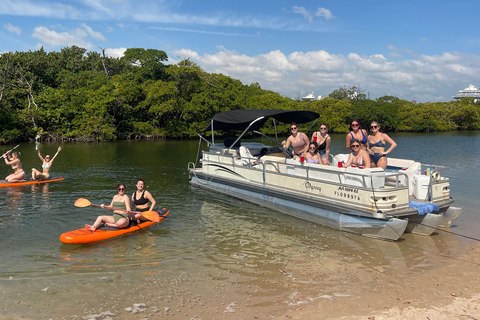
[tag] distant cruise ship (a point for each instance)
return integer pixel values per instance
(470, 92)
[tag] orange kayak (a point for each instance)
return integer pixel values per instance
(3, 183)
(84, 236)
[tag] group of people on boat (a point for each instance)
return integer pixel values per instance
(141, 200)
(367, 150)
(18, 175)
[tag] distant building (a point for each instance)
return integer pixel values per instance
(311, 97)
(470, 92)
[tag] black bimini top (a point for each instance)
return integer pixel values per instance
(241, 119)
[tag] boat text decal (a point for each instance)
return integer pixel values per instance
(348, 193)
(308, 185)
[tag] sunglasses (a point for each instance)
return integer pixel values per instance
(374, 127)
(355, 125)
(312, 148)
(293, 128)
(120, 189)
(323, 128)
(355, 146)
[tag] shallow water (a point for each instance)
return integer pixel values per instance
(214, 255)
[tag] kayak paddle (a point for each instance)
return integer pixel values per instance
(150, 215)
(10, 150)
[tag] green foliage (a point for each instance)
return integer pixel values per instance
(80, 95)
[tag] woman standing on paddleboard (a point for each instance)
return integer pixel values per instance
(14, 161)
(47, 164)
(120, 218)
(140, 199)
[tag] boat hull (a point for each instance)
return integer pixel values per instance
(386, 229)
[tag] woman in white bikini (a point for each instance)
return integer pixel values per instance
(14, 161)
(47, 164)
(358, 157)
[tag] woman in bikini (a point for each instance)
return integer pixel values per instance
(47, 164)
(298, 140)
(323, 140)
(356, 133)
(358, 157)
(312, 155)
(14, 161)
(376, 146)
(120, 218)
(140, 200)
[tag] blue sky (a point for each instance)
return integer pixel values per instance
(422, 50)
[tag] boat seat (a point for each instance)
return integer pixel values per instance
(341, 157)
(247, 158)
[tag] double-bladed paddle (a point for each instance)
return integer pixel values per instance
(150, 215)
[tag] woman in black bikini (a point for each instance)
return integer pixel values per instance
(140, 199)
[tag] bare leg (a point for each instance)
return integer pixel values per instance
(382, 163)
(100, 220)
(15, 177)
(121, 223)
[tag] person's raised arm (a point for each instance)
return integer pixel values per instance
(56, 154)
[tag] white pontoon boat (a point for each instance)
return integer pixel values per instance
(371, 202)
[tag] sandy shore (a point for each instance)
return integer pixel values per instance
(450, 290)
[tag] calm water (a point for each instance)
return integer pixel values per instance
(209, 241)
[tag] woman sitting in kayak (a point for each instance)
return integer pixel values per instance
(141, 199)
(47, 164)
(120, 218)
(14, 161)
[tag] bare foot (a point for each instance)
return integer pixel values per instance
(89, 227)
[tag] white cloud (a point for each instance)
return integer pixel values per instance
(158, 12)
(13, 29)
(115, 52)
(94, 34)
(53, 38)
(426, 78)
(322, 12)
(304, 12)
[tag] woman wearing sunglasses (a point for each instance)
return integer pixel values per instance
(358, 157)
(312, 155)
(120, 218)
(356, 132)
(376, 146)
(47, 164)
(323, 140)
(298, 140)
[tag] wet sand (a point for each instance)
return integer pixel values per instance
(449, 290)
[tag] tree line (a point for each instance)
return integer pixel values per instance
(86, 96)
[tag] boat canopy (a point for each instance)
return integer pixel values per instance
(242, 119)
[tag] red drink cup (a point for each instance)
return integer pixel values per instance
(314, 139)
(302, 159)
(340, 164)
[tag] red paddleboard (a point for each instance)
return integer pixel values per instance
(4, 183)
(84, 236)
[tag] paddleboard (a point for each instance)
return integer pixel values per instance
(84, 236)
(4, 183)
